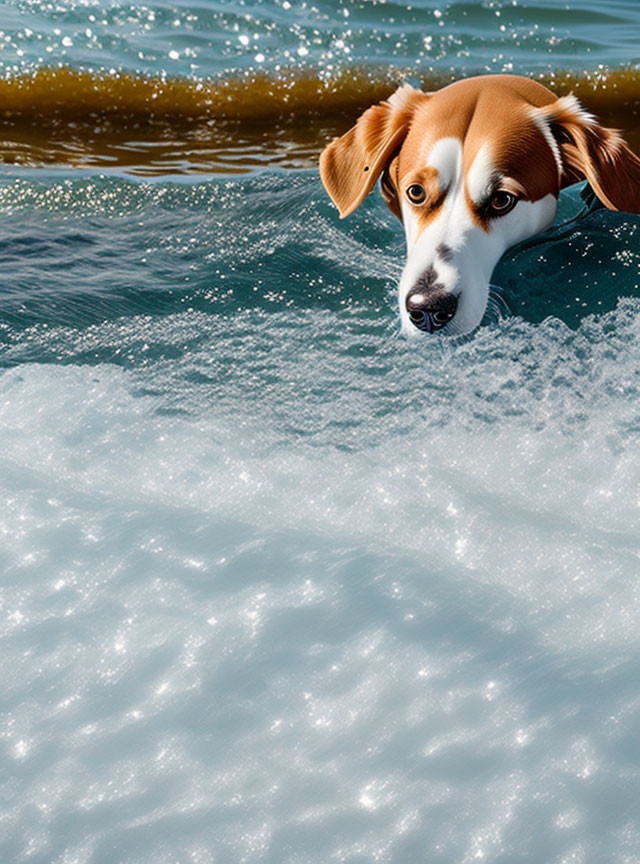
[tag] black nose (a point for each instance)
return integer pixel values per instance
(431, 310)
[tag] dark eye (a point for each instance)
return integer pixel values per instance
(502, 202)
(416, 193)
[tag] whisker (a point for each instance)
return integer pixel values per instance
(499, 297)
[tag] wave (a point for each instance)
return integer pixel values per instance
(78, 252)
(149, 124)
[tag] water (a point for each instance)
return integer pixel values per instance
(277, 584)
(182, 37)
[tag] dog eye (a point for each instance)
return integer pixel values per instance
(502, 202)
(416, 193)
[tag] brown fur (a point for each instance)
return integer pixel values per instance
(598, 154)
(350, 165)
(395, 136)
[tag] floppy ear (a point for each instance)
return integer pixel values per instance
(591, 151)
(350, 165)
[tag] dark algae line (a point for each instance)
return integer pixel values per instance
(156, 125)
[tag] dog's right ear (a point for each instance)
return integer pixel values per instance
(350, 165)
(591, 151)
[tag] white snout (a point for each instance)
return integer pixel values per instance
(456, 254)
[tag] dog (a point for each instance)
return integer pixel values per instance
(471, 170)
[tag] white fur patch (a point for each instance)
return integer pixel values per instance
(399, 99)
(570, 103)
(446, 157)
(542, 117)
(542, 122)
(480, 175)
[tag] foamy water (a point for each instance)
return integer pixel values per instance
(281, 586)
(358, 603)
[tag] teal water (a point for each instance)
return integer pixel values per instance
(185, 38)
(277, 584)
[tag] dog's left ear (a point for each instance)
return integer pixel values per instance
(589, 150)
(350, 165)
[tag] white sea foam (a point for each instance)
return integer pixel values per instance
(304, 594)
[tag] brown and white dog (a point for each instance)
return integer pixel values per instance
(471, 170)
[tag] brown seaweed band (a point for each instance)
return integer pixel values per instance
(155, 125)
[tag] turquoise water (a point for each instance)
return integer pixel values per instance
(183, 38)
(277, 584)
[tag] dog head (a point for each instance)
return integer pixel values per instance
(471, 170)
